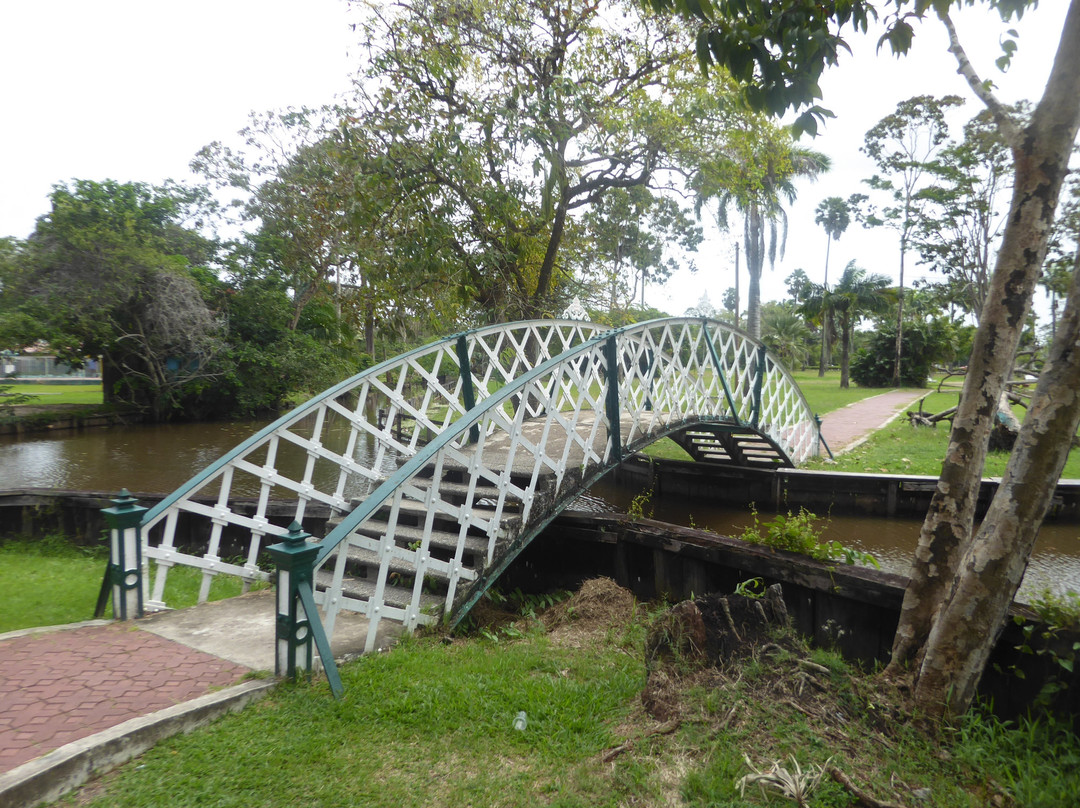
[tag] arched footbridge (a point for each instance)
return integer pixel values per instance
(439, 466)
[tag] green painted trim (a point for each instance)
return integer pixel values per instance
(720, 370)
(611, 399)
(322, 642)
(375, 499)
(468, 394)
(301, 411)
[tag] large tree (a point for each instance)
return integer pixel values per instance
(517, 119)
(963, 211)
(961, 585)
(112, 271)
(902, 144)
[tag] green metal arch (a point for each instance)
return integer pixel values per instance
(637, 384)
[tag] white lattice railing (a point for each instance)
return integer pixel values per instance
(437, 476)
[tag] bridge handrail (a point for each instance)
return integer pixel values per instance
(302, 411)
(471, 419)
(417, 462)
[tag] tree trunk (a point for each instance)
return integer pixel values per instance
(540, 297)
(824, 363)
(755, 262)
(899, 316)
(1041, 153)
(994, 563)
(845, 352)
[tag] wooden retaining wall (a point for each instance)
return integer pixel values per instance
(837, 492)
(855, 609)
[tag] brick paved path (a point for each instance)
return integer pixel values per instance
(60, 686)
(846, 427)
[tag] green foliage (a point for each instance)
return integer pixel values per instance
(753, 588)
(48, 581)
(9, 398)
(527, 604)
(1058, 614)
(641, 506)
(922, 345)
(443, 713)
(800, 533)
(1058, 609)
(1036, 761)
(786, 334)
(110, 271)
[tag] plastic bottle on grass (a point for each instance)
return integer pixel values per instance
(520, 720)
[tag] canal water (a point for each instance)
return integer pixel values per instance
(161, 457)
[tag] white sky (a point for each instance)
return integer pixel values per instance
(131, 89)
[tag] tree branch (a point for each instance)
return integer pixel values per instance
(1008, 126)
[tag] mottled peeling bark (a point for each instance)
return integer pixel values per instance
(1040, 153)
(993, 564)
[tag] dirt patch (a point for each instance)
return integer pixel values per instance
(599, 606)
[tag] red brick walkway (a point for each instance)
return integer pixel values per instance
(60, 686)
(848, 426)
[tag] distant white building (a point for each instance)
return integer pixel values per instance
(703, 308)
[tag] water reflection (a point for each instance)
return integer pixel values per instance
(1054, 564)
(152, 458)
(161, 457)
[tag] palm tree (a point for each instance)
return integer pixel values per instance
(858, 295)
(834, 215)
(756, 173)
(818, 306)
(785, 333)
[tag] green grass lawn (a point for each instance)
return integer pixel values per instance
(49, 582)
(824, 394)
(46, 394)
(431, 722)
(900, 448)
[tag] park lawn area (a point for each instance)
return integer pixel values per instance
(51, 582)
(900, 448)
(48, 582)
(47, 394)
(824, 394)
(431, 722)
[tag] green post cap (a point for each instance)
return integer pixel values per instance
(125, 512)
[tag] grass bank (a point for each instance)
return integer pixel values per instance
(51, 582)
(431, 722)
(46, 395)
(901, 448)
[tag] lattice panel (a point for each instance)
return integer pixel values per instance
(342, 443)
(437, 475)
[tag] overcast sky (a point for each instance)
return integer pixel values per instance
(131, 89)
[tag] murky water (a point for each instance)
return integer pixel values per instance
(1054, 564)
(160, 458)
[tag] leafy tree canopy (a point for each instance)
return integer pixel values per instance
(778, 49)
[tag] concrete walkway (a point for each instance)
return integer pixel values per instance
(74, 700)
(849, 426)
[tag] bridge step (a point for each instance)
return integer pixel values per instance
(363, 561)
(730, 447)
(397, 596)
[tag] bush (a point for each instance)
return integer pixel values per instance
(922, 345)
